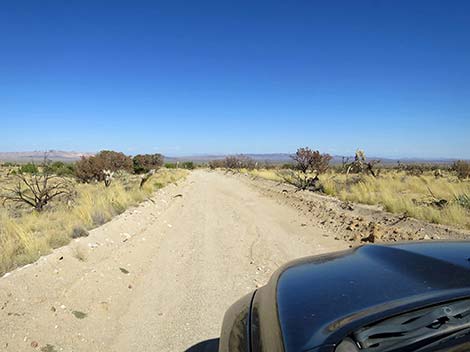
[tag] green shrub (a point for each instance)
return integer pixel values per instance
(60, 168)
(188, 165)
(29, 168)
(170, 165)
(463, 200)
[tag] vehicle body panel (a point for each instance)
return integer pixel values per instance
(311, 304)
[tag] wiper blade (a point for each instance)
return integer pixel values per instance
(411, 328)
(457, 336)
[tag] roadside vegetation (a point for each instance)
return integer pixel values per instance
(435, 193)
(45, 206)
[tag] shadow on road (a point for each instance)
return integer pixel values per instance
(205, 346)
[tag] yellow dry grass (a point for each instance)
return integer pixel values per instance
(397, 192)
(24, 238)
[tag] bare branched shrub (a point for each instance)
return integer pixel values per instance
(308, 160)
(216, 164)
(308, 166)
(231, 162)
(239, 162)
(462, 168)
(39, 189)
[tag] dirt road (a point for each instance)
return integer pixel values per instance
(158, 277)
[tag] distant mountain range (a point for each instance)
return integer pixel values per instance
(55, 155)
(279, 158)
(273, 158)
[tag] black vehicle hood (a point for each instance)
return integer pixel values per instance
(321, 299)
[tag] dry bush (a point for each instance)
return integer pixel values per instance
(307, 160)
(102, 166)
(216, 164)
(143, 163)
(308, 166)
(238, 162)
(462, 168)
(37, 189)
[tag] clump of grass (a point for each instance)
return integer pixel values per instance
(28, 236)
(463, 200)
(79, 231)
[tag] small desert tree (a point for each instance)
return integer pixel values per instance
(309, 165)
(239, 162)
(143, 163)
(307, 160)
(38, 189)
(102, 166)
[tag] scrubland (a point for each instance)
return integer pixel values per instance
(441, 200)
(25, 234)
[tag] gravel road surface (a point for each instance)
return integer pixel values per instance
(160, 276)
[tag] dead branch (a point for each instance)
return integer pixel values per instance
(37, 190)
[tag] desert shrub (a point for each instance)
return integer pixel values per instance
(145, 162)
(115, 161)
(79, 231)
(101, 166)
(60, 168)
(37, 190)
(239, 162)
(89, 169)
(413, 169)
(308, 166)
(232, 162)
(171, 165)
(98, 218)
(215, 164)
(189, 165)
(462, 168)
(29, 168)
(463, 200)
(308, 160)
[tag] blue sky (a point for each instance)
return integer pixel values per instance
(192, 77)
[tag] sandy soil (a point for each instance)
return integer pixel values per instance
(160, 276)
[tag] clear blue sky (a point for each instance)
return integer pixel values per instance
(186, 77)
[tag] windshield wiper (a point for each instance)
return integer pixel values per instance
(415, 327)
